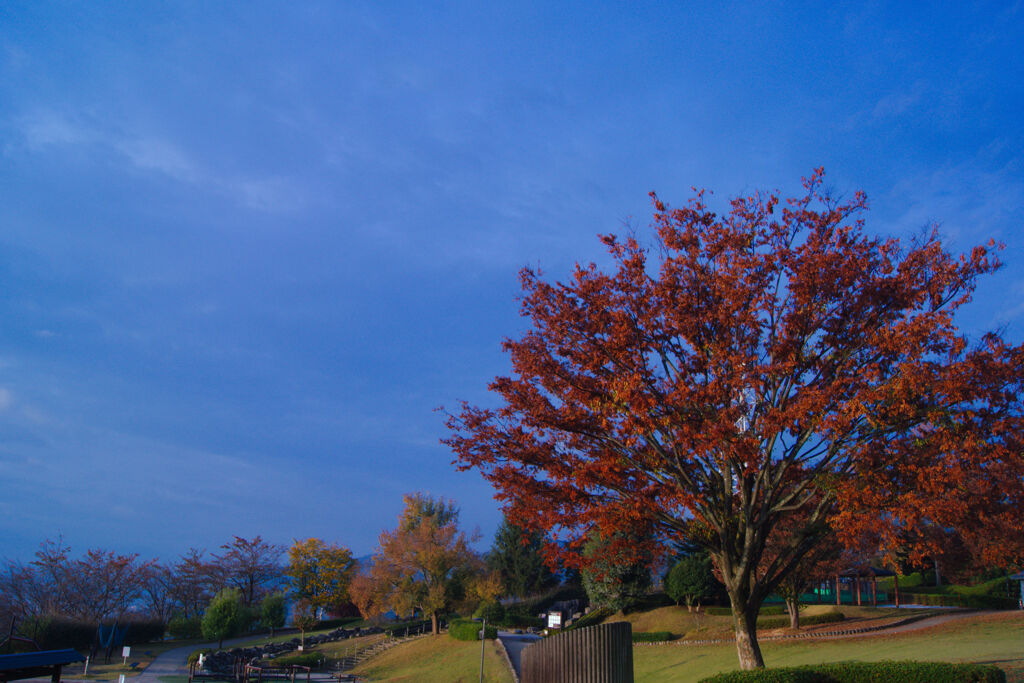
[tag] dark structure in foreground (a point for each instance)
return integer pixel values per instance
(36, 664)
(597, 654)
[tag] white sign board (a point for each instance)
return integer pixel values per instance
(554, 620)
(126, 651)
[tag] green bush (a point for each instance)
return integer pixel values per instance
(182, 628)
(782, 622)
(193, 656)
(868, 672)
(958, 600)
(516, 621)
(465, 629)
(310, 659)
(651, 636)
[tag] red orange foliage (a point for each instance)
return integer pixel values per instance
(769, 361)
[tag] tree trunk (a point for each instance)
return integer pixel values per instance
(745, 622)
(433, 623)
(938, 574)
(793, 607)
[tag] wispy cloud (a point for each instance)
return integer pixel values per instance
(47, 130)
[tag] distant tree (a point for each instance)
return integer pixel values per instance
(156, 592)
(422, 565)
(273, 612)
(250, 566)
(611, 578)
(224, 616)
(98, 585)
(516, 556)
(320, 572)
(691, 580)
(305, 619)
(193, 583)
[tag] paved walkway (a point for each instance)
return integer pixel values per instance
(514, 644)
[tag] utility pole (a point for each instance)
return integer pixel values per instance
(483, 642)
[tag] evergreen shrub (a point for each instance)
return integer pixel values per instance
(465, 629)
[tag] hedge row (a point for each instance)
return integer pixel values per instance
(55, 633)
(958, 600)
(868, 672)
(651, 636)
(465, 629)
(310, 659)
(727, 611)
(783, 622)
(594, 617)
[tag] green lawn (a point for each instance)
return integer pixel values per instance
(436, 658)
(996, 639)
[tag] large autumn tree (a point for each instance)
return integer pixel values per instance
(425, 564)
(771, 361)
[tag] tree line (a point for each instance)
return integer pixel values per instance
(426, 566)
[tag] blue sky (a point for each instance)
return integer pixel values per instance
(247, 249)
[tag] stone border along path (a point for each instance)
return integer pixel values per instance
(913, 623)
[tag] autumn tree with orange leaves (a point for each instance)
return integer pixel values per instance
(770, 361)
(425, 564)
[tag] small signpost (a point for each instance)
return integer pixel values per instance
(125, 652)
(554, 620)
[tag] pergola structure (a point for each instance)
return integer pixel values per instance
(36, 664)
(856, 577)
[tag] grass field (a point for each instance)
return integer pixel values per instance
(436, 658)
(700, 626)
(994, 639)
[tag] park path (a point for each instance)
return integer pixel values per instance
(916, 625)
(514, 644)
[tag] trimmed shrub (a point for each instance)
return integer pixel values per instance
(310, 659)
(783, 622)
(868, 672)
(651, 636)
(516, 621)
(958, 600)
(727, 611)
(465, 629)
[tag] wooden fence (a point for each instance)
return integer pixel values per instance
(596, 654)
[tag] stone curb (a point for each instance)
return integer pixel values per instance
(508, 660)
